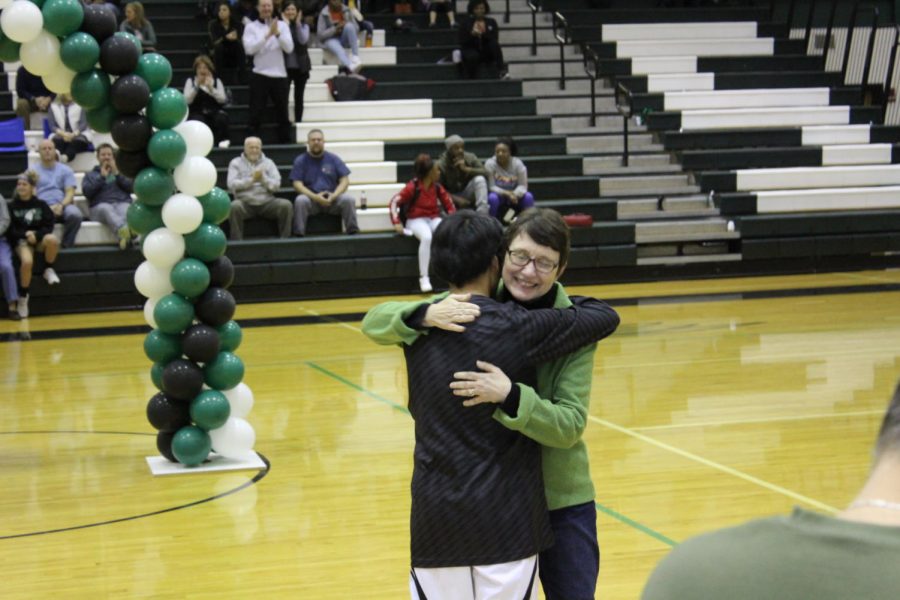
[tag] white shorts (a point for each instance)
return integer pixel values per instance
(515, 580)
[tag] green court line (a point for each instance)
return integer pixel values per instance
(608, 511)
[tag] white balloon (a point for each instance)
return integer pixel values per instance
(163, 247)
(152, 281)
(198, 137)
(149, 305)
(182, 213)
(40, 56)
(5, 3)
(195, 176)
(240, 398)
(59, 80)
(234, 439)
(22, 21)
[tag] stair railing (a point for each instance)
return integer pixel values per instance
(561, 33)
(535, 7)
(624, 104)
(506, 13)
(592, 68)
(829, 33)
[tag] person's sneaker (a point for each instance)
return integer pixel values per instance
(14, 314)
(51, 276)
(22, 307)
(124, 234)
(355, 64)
(225, 144)
(425, 284)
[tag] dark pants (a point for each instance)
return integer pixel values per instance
(489, 53)
(569, 569)
(276, 89)
(299, 78)
(78, 144)
(231, 63)
(216, 120)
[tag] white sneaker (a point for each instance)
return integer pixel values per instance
(51, 276)
(225, 144)
(22, 307)
(355, 64)
(425, 285)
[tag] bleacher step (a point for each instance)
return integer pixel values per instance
(592, 144)
(691, 230)
(672, 207)
(582, 124)
(575, 104)
(659, 161)
(617, 185)
(631, 170)
(685, 260)
(550, 87)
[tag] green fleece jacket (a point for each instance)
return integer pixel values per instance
(554, 414)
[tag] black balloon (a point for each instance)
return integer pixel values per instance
(132, 163)
(129, 94)
(166, 414)
(215, 307)
(164, 444)
(119, 55)
(221, 272)
(200, 343)
(131, 132)
(99, 21)
(182, 379)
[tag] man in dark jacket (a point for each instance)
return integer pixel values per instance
(109, 195)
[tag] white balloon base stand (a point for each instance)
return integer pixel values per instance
(161, 466)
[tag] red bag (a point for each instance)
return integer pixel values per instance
(403, 8)
(578, 220)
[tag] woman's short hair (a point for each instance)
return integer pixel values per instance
(546, 227)
(203, 59)
(473, 3)
(423, 165)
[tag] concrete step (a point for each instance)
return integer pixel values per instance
(523, 36)
(530, 69)
(595, 144)
(577, 105)
(617, 185)
(685, 230)
(614, 161)
(672, 208)
(685, 260)
(633, 170)
(604, 123)
(522, 52)
(651, 190)
(550, 87)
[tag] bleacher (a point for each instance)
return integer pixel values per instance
(745, 154)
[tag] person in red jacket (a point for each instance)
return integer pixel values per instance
(415, 209)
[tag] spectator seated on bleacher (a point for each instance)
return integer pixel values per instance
(297, 62)
(321, 180)
(32, 95)
(507, 179)
(421, 200)
(464, 176)
(361, 23)
(225, 32)
(338, 32)
(207, 98)
(7, 271)
(137, 25)
(109, 195)
(479, 41)
(30, 230)
(56, 187)
(441, 6)
(68, 127)
(253, 179)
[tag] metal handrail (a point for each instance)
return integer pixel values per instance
(809, 25)
(592, 67)
(535, 7)
(506, 14)
(829, 32)
(625, 106)
(561, 33)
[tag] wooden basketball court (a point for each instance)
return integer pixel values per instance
(715, 402)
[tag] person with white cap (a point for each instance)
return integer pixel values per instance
(464, 176)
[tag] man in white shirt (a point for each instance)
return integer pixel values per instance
(266, 40)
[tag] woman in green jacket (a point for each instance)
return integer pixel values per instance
(554, 414)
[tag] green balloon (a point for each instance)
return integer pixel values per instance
(162, 347)
(206, 243)
(191, 445)
(166, 149)
(230, 336)
(134, 40)
(154, 186)
(189, 277)
(167, 108)
(173, 314)
(143, 218)
(216, 205)
(9, 50)
(156, 372)
(101, 118)
(91, 89)
(155, 69)
(80, 52)
(224, 372)
(62, 17)
(210, 409)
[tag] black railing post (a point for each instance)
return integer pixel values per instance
(534, 6)
(591, 67)
(506, 14)
(809, 26)
(561, 33)
(624, 106)
(870, 48)
(829, 32)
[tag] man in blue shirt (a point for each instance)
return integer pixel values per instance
(56, 187)
(321, 180)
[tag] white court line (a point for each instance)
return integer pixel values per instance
(714, 465)
(330, 321)
(860, 413)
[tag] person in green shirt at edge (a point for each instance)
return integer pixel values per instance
(853, 555)
(554, 414)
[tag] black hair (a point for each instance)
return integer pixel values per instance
(473, 3)
(105, 145)
(464, 246)
(423, 165)
(509, 143)
(546, 227)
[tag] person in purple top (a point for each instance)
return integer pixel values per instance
(321, 180)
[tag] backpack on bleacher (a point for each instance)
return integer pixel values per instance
(344, 88)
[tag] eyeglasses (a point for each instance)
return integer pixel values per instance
(520, 258)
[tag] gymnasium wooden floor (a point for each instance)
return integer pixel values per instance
(715, 402)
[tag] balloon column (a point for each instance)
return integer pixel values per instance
(201, 402)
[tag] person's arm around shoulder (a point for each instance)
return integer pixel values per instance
(552, 333)
(385, 323)
(403, 322)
